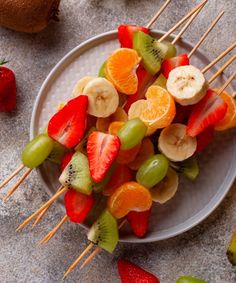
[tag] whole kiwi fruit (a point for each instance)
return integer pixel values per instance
(28, 16)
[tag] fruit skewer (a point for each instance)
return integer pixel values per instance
(98, 249)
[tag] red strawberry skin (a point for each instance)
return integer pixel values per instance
(66, 159)
(207, 112)
(102, 150)
(7, 90)
(78, 205)
(169, 64)
(139, 222)
(126, 32)
(205, 138)
(182, 113)
(131, 273)
(68, 125)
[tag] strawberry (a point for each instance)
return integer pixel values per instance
(66, 159)
(68, 125)
(145, 79)
(102, 150)
(131, 273)
(7, 89)
(139, 222)
(205, 138)
(169, 64)
(207, 112)
(182, 113)
(126, 32)
(78, 205)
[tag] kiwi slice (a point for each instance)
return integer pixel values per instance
(171, 51)
(189, 168)
(77, 175)
(102, 70)
(104, 232)
(151, 51)
(57, 153)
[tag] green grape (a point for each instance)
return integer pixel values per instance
(171, 52)
(132, 133)
(189, 168)
(37, 150)
(189, 279)
(102, 70)
(152, 171)
(160, 81)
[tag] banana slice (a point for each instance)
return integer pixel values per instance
(102, 96)
(187, 85)
(166, 189)
(80, 85)
(175, 144)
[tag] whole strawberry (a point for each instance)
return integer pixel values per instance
(7, 89)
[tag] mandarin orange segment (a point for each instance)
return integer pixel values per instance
(146, 151)
(114, 127)
(229, 120)
(121, 70)
(131, 196)
(157, 111)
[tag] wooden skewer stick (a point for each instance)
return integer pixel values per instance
(158, 14)
(206, 33)
(50, 201)
(90, 257)
(204, 70)
(17, 185)
(73, 265)
(221, 70)
(12, 176)
(186, 25)
(182, 21)
(233, 76)
(51, 234)
(41, 215)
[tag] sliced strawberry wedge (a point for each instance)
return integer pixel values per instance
(169, 64)
(78, 205)
(102, 150)
(66, 159)
(139, 222)
(126, 32)
(131, 273)
(68, 125)
(145, 79)
(207, 112)
(205, 138)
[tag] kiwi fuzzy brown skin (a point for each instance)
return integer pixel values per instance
(28, 16)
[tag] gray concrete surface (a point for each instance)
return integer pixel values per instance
(199, 252)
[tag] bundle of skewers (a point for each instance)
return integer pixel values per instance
(126, 135)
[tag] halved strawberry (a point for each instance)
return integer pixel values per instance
(145, 79)
(169, 64)
(66, 159)
(205, 138)
(207, 112)
(126, 32)
(102, 150)
(139, 222)
(78, 205)
(131, 273)
(68, 125)
(182, 113)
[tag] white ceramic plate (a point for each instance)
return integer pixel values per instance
(194, 201)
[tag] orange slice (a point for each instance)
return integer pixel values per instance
(114, 127)
(229, 120)
(157, 111)
(121, 70)
(131, 196)
(146, 151)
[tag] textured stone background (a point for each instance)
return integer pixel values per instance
(199, 252)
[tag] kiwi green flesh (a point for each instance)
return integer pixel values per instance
(189, 168)
(76, 175)
(102, 70)
(151, 51)
(104, 232)
(57, 153)
(171, 51)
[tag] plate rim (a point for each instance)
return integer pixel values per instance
(199, 216)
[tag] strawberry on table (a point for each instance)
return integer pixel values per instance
(102, 150)
(139, 221)
(131, 273)
(68, 125)
(126, 32)
(207, 112)
(169, 64)
(7, 89)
